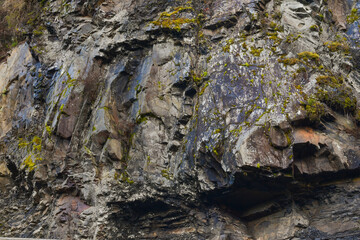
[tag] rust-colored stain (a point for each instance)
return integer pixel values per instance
(72, 204)
(304, 135)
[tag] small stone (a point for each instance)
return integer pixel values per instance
(278, 138)
(115, 149)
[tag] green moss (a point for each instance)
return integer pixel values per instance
(141, 119)
(337, 46)
(215, 152)
(198, 78)
(217, 131)
(23, 143)
(314, 28)
(29, 163)
(256, 51)
(309, 56)
(226, 48)
(277, 15)
(315, 110)
(289, 61)
(38, 32)
(61, 109)
(203, 89)
(236, 131)
(48, 130)
(166, 174)
(123, 177)
(5, 91)
(168, 19)
(33, 152)
(354, 16)
(290, 38)
(333, 92)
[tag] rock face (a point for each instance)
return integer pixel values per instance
(183, 120)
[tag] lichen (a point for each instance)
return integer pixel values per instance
(33, 152)
(170, 21)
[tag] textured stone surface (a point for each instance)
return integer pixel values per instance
(183, 120)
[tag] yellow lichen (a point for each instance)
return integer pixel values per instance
(170, 21)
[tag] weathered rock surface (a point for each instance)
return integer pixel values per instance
(183, 120)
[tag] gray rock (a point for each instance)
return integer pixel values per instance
(182, 120)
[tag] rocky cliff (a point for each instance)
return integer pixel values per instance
(205, 119)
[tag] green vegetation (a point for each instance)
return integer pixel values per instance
(309, 56)
(203, 88)
(19, 19)
(333, 92)
(33, 149)
(256, 51)
(167, 174)
(289, 61)
(337, 46)
(48, 130)
(171, 20)
(354, 16)
(277, 15)
(315, 110)
(141, 119)
(229, 42)
(123, 177)
(198, 78)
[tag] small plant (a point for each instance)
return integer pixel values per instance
(123, 177)
(289, 61)
(309, 56)
(337, 46)
(315, 110)
(333, 92)
(354, 16)
(141, 119)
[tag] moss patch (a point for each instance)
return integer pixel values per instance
(314, 109)
(333, 92)
(172, 20)
(309, 56)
